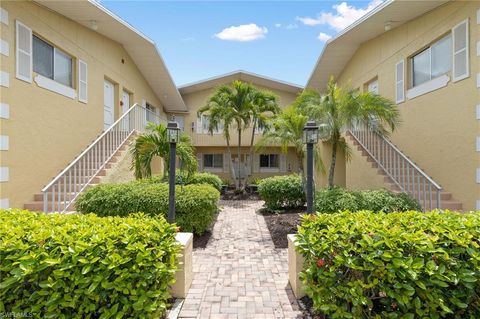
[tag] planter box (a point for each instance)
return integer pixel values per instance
(295, 266)
(184, 274)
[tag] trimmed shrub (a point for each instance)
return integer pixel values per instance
(397, 265)
(85, 266)
(281, 192)
(195, 205)
(206, 178)
(340, 199)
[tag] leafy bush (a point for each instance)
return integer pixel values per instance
(340, 199)
(397, 265)
(282, 192)
(195, 205)
(206, 178)
(85, 266)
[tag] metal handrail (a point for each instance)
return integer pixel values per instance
(404, 173)
(66, 186)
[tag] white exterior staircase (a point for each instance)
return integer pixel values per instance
(92, 164)
(399, 172)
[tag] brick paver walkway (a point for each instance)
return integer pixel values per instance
(240, 274)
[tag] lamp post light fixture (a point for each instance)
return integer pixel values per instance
(173, 137)
(310, 137)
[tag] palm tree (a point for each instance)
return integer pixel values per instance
(155, 143)
(264, 107)
(287, 131)
(230, 105)
(340, 108)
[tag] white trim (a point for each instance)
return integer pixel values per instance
(4, 79)
(466, 49)
(478, 48)
(213, 169)
(3, 16)
(478, 111)
(397, 81)
(80, 81)
(478, 80)
(4, 111)
(4, 47)
(269, 169)
(478, 16)
(478, 143)
(54, 86)
(4, 143)
(478, 204)
(19, 51)
(4, 174)
(478, 175)
(428, 86)
(4, 203)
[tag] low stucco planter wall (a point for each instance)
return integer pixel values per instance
(295, 266)
(184, 274)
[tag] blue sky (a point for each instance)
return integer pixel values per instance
(201, 39)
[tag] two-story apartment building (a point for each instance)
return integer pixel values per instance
(424, 55)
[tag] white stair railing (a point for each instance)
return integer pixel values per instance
(407, 176)
(61, 192)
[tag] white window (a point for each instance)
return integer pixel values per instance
(151, 112)
(203, 122)
(372, 86)
(460, 51)
(432, 62)
(269, 161)
(52, 62)
(213, 161)
(23, 52)
(400, 82)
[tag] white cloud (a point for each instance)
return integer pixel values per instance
(278, 25)
(344, 16)
(324, 37)
(291, 26)
(242, 33)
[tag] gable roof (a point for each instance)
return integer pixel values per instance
(242, 76)
(141, 49)
(338, 51)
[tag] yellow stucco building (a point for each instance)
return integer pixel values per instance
(71, 71)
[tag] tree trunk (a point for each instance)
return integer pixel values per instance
(251, 151)
(230, 167)
(238, 154)
(331, 172)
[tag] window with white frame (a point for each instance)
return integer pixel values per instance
(269, 161)
(52, 62)
(213, 161)
(203, 123)
(434, 61)
(151, 112)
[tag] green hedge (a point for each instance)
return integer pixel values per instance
(396, 265)
(85, 266)
(182, 178)
(280, 192)
(340, 199)
(195, 205)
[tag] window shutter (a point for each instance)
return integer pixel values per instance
(283, 163)
(226, 160)
(256, 163)
(199, 124)
(460, 51)
(400, 82)
(82, 81)
(24, 52)
(200, 162)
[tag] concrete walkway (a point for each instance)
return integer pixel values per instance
(240, 274)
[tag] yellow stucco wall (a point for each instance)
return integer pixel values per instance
(47, 130)
(439, 128)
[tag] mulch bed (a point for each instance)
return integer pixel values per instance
(231, 195)
(280, 224)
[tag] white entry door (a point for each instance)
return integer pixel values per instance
(125, 108)
(108, 104)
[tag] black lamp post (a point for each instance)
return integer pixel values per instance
(310, 137)
(173, 136)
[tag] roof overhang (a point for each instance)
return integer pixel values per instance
(141, 49)
(242, 76)
(338, 51)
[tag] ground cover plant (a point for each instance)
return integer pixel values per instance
(85, 266)
(396, 265)
(195, 205)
